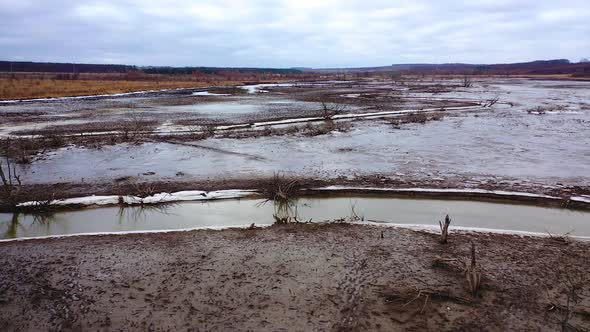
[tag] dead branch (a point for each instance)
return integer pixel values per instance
(473, 273)
(491, 102)
(444, 229)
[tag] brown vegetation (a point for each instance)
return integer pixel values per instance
(416, 117)
(308, 129)
(40, 88)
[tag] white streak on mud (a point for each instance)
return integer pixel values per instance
(207, 93)
(181, 196)
(436, 230)
(447, 191)
(583, 199)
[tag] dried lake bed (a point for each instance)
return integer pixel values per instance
(372, 158)
(521, 135)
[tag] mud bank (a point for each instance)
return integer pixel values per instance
(291, 277)
(68, 195)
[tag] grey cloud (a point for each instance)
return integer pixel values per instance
(316, 33)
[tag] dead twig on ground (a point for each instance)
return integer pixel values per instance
(413, 300)
(564, 239)
(491, 102)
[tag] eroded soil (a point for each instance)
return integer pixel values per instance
(296, 277)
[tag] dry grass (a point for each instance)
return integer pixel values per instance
(417, 117)
(39, 88)
(309, 130)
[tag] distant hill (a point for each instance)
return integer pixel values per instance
(560, 66)
(540, 67)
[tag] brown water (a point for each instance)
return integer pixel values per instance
(228, 213)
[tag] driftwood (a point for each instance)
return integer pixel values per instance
(473, 273)
(468, 267)
(444, 229)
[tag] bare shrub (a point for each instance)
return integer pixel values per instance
(11, 185)
(444, 229)
(467, 83)
(491, 102)
(285, 212)
(329, 126)
(329, 110)
(416, 117)
(572, 290)
(566, 308)
(19, 149)
(280, 188)
(209, 130)
(282, 192)
(419, 117)
(134, 125)
(142, 189)
(308, 129)
(353, 217)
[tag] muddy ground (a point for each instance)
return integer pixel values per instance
(532, 140)
(296, 277)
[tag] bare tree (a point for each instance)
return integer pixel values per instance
(467, 81)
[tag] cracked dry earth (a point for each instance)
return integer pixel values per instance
(298, 277)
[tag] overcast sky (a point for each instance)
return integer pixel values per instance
(293, 33)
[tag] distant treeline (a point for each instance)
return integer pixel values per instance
(75, 68)
(80, 68)
(72, 71)
(216, 70)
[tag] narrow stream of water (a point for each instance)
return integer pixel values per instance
(227, 213)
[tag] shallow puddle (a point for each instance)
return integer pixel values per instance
(218, 108)
(228, 213)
